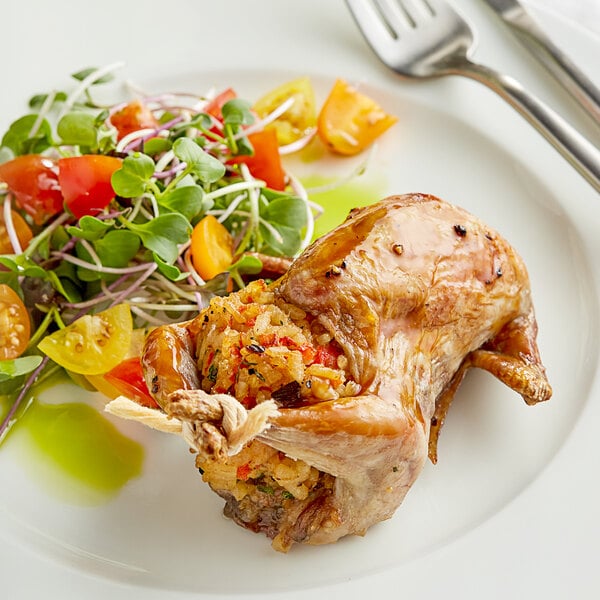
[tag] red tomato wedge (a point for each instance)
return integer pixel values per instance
(128, 378)
(85, 182)
(214, 107)
(33, 181)
(265, 163)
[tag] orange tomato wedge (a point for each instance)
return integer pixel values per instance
(23, 231)
(15, 327)
(211, 247)
(350, 121)
(133, 117)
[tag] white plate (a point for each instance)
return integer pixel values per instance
(511, 507)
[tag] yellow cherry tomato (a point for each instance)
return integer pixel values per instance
(15, 327)
(350, 121)
(93, 344)
(135, 349)
(212, 247)
(296, 121)
(101, 385)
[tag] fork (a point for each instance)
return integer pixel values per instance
(426, 39)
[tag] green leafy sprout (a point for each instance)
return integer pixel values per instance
(137, 250)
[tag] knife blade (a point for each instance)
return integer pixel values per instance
(531, 35)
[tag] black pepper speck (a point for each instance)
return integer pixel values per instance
(257, 348)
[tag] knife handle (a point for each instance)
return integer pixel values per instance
(559, 64)
(577, 150)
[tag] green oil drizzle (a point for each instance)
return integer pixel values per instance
(340, 200)
(74, 452)
(77, 454)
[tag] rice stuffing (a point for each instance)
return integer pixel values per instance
(255, 348)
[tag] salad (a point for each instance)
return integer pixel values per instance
(115, 218)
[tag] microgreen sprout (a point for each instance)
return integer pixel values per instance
(174, 170)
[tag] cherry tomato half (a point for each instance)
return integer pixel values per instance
(128, 378)
(133, 117)
(33, 181)
(22, 230)
(211, 247)
(350, 121)
(265, 163)
(93, 344)
(135, 349)
(85, 182)
(214, 107)
(296, 121)
(15, 327)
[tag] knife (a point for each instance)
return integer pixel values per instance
(553, 58)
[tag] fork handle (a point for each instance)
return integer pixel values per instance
(576, 149)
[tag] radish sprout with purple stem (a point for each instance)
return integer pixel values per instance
(137, 250)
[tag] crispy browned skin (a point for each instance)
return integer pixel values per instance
(415, 291)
